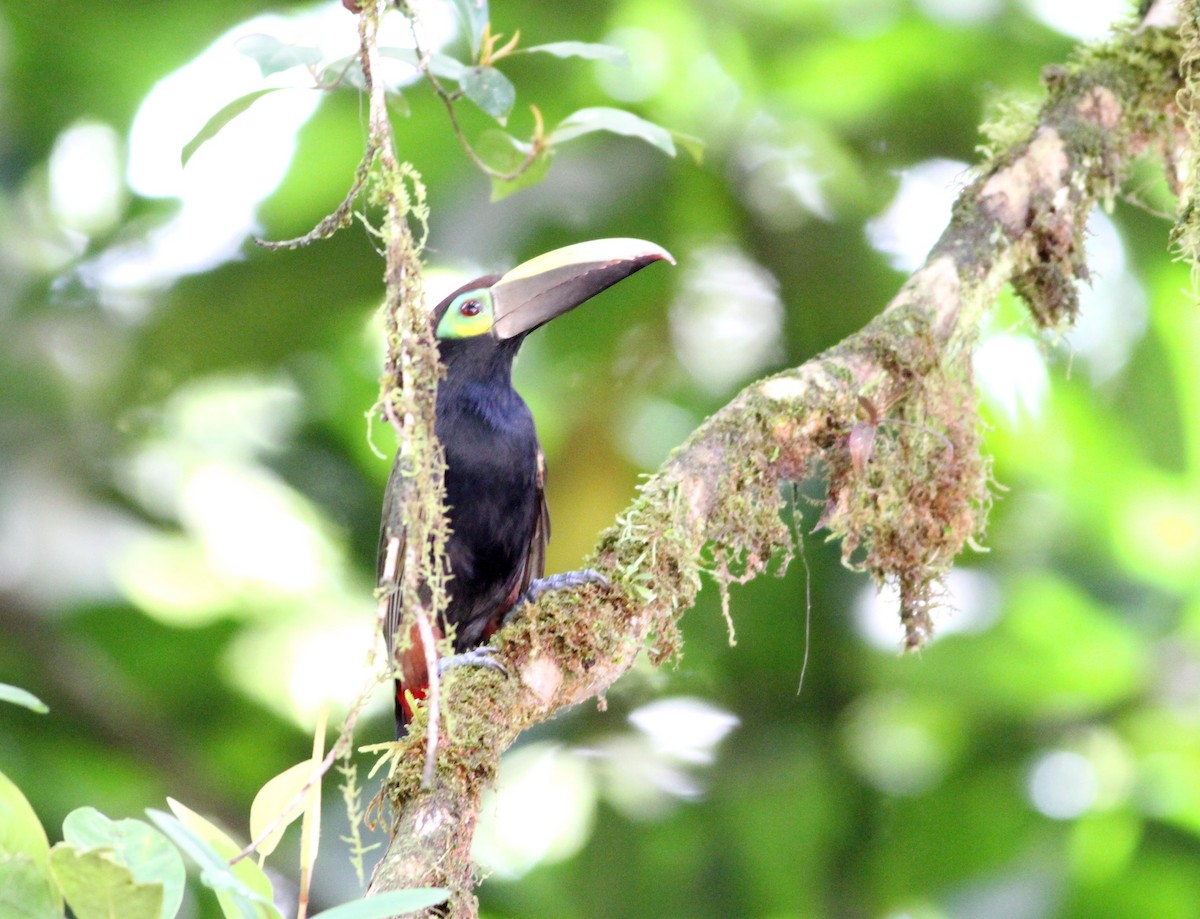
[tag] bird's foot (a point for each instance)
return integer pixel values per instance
(567, 580)
(476, 657)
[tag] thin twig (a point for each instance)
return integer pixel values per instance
(537, 143)
(325, 765)
(342, 217)
(798, 536)
(310, 824)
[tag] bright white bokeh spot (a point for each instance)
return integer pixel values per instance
(236, 418)
(684, 728)
(646, 772)
(247, 545)
(971, 605)
(246, 533)
(224, 182)
(245, 161)
(328, 664)
(1063, 785)
(307, 662)
(912, 223)
(248, 158)
(253, 527)
(728, 319)
(541, 811)
(249, 538)
(1083, 19)
(640, 780)
(87, 190)
(785, 177)
(1012, 376)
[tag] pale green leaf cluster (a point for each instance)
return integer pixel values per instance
(128, 869)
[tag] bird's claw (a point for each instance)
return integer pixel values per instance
(567, 580)
(476, 657)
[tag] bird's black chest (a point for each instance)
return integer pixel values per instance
(491, 492)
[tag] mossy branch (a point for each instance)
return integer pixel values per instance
(889, 415)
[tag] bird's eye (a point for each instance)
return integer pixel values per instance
(470, 308)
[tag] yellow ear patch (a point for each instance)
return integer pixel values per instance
(469, 314)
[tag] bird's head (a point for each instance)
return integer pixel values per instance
(503, 309)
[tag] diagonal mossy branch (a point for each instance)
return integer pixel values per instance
(889, 415)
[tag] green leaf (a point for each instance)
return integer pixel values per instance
(26, 890)
(591, 51)
(274, 56)
(345, 71)
(97, 886)
(271, 800)
(491, 90)
(440, 65)
(502, 188)
(145, 852)
(21, 832)
(239, 904)
(384, 905)
(243, 890)
(474, 14)
(213, 126)
(505, 153)
(18, 696)
(246, 875)
(615, 121)
(26, 884)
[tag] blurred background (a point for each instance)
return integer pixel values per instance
(189, 496)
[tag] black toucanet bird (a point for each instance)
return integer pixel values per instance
(495, 472)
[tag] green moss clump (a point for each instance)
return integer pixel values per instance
(908, 485)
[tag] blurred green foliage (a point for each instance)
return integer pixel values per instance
(189, 501)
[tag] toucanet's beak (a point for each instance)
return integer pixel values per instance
(549, 285)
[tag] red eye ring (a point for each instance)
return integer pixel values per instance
(470, 308)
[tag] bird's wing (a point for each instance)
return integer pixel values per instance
(535, 561)
(390, 563)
